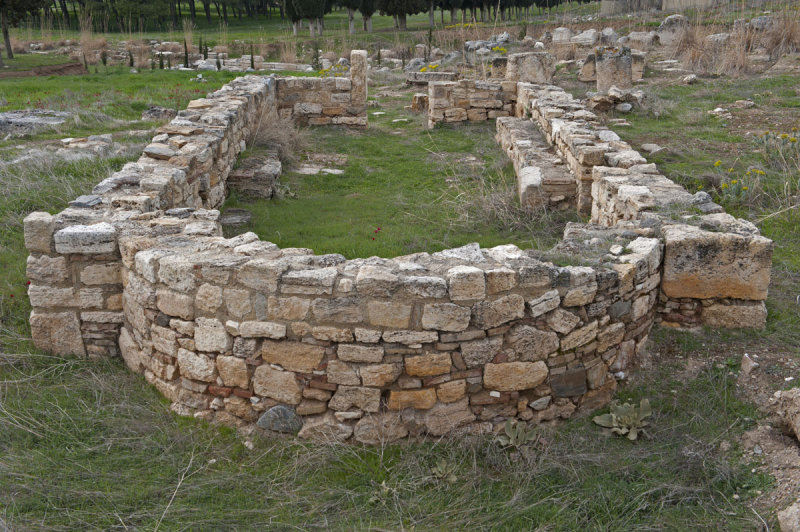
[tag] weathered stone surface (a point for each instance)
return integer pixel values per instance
(339, 309)
(380, 429)
(175, 304)
(500, 280)
(45, 269)
(233, 371)
(262, 329)
(346, 397)
(703, 264)
(740, 315)
(208, 298)
(376, 282)
(428, 364)
(466, 283)
(788, 409)
(452, 391)
(238, 303)
(389, 314)
(210, 336)
(325, 429)
(39, 228)
(100, 274)
(360, 353)
(197, 367)
(610, 336)
(58, 333)
(444, 417)
(425, 286)
(789, 518)
(410, 337)
(579, 337)
(100, 238)
(310, 407)
(544, 303)
(319, 281)
(479, 352)
(287, 308)
(531, 67)
(513, 376)
(342, 373)
(489, 314)
(281, 418)
(529, 344)
(279, 385)
(562, 321)
(378, 374)
(418, 399)
(445, 317)
(570, 383)
(292, 356)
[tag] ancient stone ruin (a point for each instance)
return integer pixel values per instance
(372, 349)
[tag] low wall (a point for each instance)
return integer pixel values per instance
(470, 100)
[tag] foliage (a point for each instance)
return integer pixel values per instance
(446, 471)
(626, 419)
(516, 435)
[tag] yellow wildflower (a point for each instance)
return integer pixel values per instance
(699, 187)
(745, 188)
(784, 136)
(730, 170)
(716, 164)
(792, 139)
(423, 69)
(734, 182)
(724, 185)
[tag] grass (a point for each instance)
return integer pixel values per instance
(96, 447)
(29, 61)
(418, 187)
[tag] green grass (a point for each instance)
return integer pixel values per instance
(96, 447)
(411, 183)
(29, 61)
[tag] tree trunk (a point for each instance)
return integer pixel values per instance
(401, 20)
(225, 13)
(351, 24)
(207, 9)
(192, 10)
(311, 28)
(294, 28)
(396, 24)
(6, 37)
(368, 24)
(431, 17)
(452, 15)
(65, 11)
(319, 26)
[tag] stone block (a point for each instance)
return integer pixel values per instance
(101, 274)
(545, 303)
(466, 283)
(738, 315)
(428, 364)
(47, 270)
(317, 281)
(233, 371)
(38, 228)
(288, 308)
(262, 329)
(389, 314)
(380, 429)
(58, 333)
(703, 264)
(489, 314)
(196, 367)
(175, 304)
(275, 384)
(417, 399)
(514, 376)
(531, 67)
(100, 238)
(452, 391)
(325, 429)
(529, 344)
(210, 336)
(579, 337)
(292, 356)
(445, 317)
(379, 375)
(347, 397)
(570, 383)
(342, 373)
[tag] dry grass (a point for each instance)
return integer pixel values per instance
(140, 49)
(188, 33)
(281, 134)
(783, 36)
(287, 52)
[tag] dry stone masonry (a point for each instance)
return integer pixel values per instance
(373, 350)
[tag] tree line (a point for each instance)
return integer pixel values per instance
(155, 15)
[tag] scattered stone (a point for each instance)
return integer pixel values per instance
(155, 112)
(281, 418)
(748, 364)
(235, 217)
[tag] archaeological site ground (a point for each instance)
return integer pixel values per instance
(534, 271)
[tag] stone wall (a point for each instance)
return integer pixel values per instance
(470, 100)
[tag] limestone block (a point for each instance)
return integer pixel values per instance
(377, 282)
(452, 391)
(479, 352)
(332, 334)
(208, 298)
(410, 337)
(175, 304)
(562, 321)
(338, 309)
(197, 367)
(445, 317)
(610, 336)
(389, 314)
(529, 344)
(379, 375)
(342, 373)
(489, 314)
(531, 67)
(237, 302)
(428, 365)
(380, 429)
(99, 274)
(422, 399)
(317, 281)
(325, 429)
(360, 353)
(500, 280)
(445, 417)
(39, 228)
(466, 283)
(293, 356)
(233, 371)
(58, 333)
(100, 238)
(514, 376)
(346, 397)
(579, 337)
(738, 315)
(569, 383)
(545, 303)
(210, 336)
(46, 269)
(262, 329)
(703, 265)
(275, 384)
(425, 287)
(288, 308)
(358, 78)
(614, 68)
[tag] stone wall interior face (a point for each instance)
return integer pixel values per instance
(374, 350)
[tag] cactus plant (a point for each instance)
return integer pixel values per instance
(626, 419)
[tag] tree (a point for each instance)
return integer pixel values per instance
(367, 8)
(351, 6)
(402, 8)
(12, 11)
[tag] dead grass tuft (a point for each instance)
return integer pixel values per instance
(280, 134)
(783, 36)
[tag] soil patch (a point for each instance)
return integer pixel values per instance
(67, 69)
